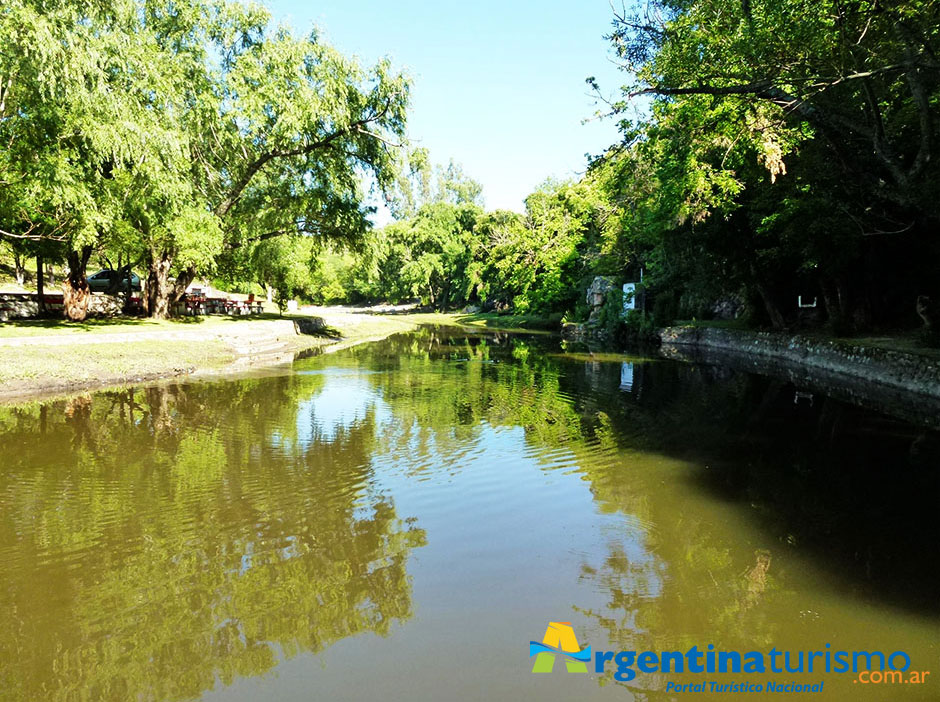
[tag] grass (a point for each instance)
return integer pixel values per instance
(491, 320)
(739, 324)
(50, 366)
(39, 356)
(123, 325)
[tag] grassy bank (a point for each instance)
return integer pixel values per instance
(41, 367)
(491, 320)
(40, 357)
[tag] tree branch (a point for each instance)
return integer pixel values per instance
(255, 166)
(33, 237)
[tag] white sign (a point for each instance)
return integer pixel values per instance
(629, 295)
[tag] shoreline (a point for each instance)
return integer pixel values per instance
(903, 383)
(916, 373)
(45, 359)
(39, 366)
(39, 362)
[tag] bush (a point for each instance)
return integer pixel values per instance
(639, 325)
(610, 317)
(665, 309)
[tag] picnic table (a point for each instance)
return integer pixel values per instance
(196, 303)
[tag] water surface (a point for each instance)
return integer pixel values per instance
(399, 521)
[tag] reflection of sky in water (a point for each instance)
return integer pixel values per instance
(346, 398)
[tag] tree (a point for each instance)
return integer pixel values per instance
(208, 132)
(860, 75)
(457, 188)
(67, 119)
(787, 148)
(537, 263)
(279, 138)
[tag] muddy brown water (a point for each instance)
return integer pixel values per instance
(400, 520)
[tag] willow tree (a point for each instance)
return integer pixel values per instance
(863, 76)
(181, 130)
(280, 137)
(66, 124)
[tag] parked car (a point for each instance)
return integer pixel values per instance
(101, 281)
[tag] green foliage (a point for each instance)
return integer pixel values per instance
(640, 325)
(450, 253)
(787, 151)
(285, 262)
(186, 135)
(610, 317)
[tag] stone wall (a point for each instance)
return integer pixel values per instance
(17, 307)
(910, 372)
(26, 305)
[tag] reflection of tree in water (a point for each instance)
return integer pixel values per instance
(665, 585)
(856, 488)
(212, 538)
(443, 388)
(825, 480)
(811, 476)
(154, 540)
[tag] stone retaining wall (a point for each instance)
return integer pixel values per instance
(26, 305)
(909, 372)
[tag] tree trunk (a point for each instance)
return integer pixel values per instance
(160, 295)
(838, 299)
(183, 281)
(776, 316)
(19, 270)
(831, 301)
(76, 294)
(40, 286)
(929, 311)
(129, 293)
(157, 296)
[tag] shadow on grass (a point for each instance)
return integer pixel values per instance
(101, 323)
(329, 333)
(55, 323)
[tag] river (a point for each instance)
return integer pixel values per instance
(399, 520)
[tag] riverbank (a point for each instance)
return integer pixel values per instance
(44, 357)
(47, 357)
(916, 372)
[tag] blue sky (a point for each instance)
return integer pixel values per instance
(498, 86)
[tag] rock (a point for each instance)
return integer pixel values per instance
(101, 305)
(597, 296)
(571, 331)
(597, 292)
(732, 307)
(310, 325)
